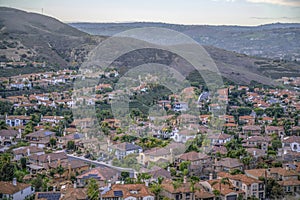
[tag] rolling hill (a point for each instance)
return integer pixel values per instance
(270, 41)
(34, 37)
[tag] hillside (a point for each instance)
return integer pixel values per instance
(34, 37)
(269, 41)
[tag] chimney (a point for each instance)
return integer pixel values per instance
(287, 167)
(54, 188)
(146, 183)
(58, 162)
(20, 133)
(254, 153)
(75, 184)
(15, 181)
(69, 170)
(28, 151)
(210, 176)
(184, 180)
(49, 159)
(109, 183)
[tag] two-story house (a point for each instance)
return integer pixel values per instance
(14, 190)
(40, 138)
(17, 120)
(123, 149)
(219, 139)
(7, 137)
(227, 164)
(251, 186)
(128, 192)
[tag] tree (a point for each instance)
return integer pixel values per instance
(3, 125)
(276, 144)
(223, 181)
(23, 162)
(156, 188)
(52, 142)
(246, 161)
(60, 170)
(28, 128)
(71, 145)
(7, 172)
(93, 189)
(37, 183)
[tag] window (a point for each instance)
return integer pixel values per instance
(295, 146)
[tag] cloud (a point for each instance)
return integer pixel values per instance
(295, 3)
(275, 18)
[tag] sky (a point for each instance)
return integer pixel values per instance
(212, 12)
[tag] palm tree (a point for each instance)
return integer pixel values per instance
(60, 170)
(3, 125)
(156, 187)
(223, 181)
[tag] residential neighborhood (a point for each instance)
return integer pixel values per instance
(48, 153)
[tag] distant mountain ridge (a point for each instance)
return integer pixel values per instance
(279, 40)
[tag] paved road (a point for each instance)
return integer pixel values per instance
(97, 163)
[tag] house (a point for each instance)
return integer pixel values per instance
(63, 141)
(40, 138)
(7, 137)
(227, 191)
(39, 135)
(102, 175)
(227, 164)
(47, 195)
(296, 130)
(199, 162)
(219, 139)
(250, 186)
(123, 149)
(156, 173)
(182, 191)
(291, 143)
(256, 153)
(227, 118)
(265, 120)
(187, 119)
(41, 162)
(286, 177)
(180, 106)
(52, 119)
(74, 194)
(71, 167)
(248, 119)
(14, 190)
(17, 120)
(184, 135)
(26, 151)
(251, 130)
(165, 154)
(204, 119)
(128, 192)
(257, 141)
(113, 123)
(278, 130)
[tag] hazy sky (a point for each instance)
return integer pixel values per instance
(239, 12)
